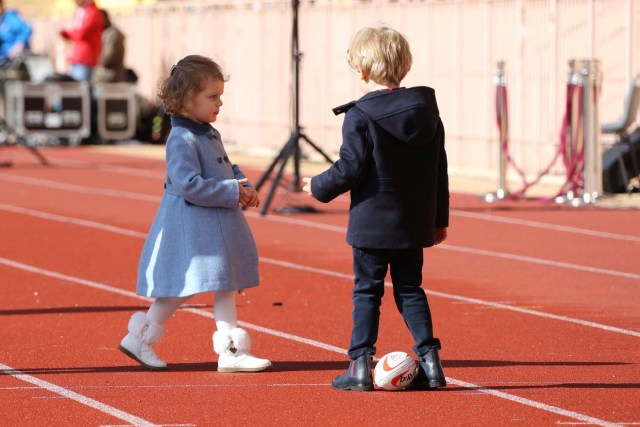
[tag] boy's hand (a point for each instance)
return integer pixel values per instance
(307, 186)
(441, 235)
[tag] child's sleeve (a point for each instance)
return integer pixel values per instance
(238, 174)
(23, 30)
(350, 170)
(442, 210)
(184, 178)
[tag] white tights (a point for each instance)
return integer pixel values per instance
(224, 309)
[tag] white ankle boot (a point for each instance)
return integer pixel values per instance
(233, 349)
(143, 333)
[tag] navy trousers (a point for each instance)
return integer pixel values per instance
(370, 267)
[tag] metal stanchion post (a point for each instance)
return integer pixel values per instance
(500, 82)
(572, 133)
(592, 149)
(585, 172)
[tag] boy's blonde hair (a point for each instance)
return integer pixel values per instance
(187, 78)
(382, 53)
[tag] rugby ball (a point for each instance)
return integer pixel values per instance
(395, 371)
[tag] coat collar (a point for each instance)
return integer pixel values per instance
(195, 127)
(344, 108)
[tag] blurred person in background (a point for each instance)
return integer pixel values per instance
(110, 67)
(86, 40)
(15, 33)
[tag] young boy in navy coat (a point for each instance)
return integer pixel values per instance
(393, 161)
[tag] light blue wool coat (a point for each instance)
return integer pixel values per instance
(199, 240)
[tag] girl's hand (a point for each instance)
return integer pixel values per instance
(248, 196)
(254, 200)
(243, 194)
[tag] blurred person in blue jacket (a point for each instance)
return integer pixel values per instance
(15, 33)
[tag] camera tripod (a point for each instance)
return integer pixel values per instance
(292, 146)
(8, 136)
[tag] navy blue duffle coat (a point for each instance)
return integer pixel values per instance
(393, 161)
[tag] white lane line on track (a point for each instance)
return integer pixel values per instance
(455, 212)
(446, 246)
(79, 188)
(124, 170)
(532, 403)
(314, 343)
(349, 277)
(162, 425)
(338, 229)
(544, 225)
(540, 261)
(461, 298)
(73, 221)
(109, 410)
(273, 332)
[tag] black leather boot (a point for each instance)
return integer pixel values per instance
(430, 373)
(358, 376)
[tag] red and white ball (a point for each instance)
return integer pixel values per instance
(395, 371)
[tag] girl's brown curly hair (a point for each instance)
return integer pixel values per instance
(187, 78)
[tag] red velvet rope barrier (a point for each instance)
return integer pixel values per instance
(574, 163)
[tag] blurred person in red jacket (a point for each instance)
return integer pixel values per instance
(86, 39)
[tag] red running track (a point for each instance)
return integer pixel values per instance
(537, 307)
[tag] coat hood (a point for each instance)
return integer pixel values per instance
(410, 115)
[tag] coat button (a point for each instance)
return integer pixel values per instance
(226, 159)
(219, 159)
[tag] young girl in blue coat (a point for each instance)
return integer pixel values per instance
(199, 240)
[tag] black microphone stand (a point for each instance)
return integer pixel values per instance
(292, 147)
(9, 135)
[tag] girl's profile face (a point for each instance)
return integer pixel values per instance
(205, 106)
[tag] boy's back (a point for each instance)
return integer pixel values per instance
(393, 161)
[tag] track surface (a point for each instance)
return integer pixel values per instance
(537, 307)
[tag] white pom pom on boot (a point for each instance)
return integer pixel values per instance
(233, 348)
(143, 333)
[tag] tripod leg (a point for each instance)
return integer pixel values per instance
(295, 185)
(5, 163)
(286, 152)
(318, 149)
(39, 155)
(267, 173)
